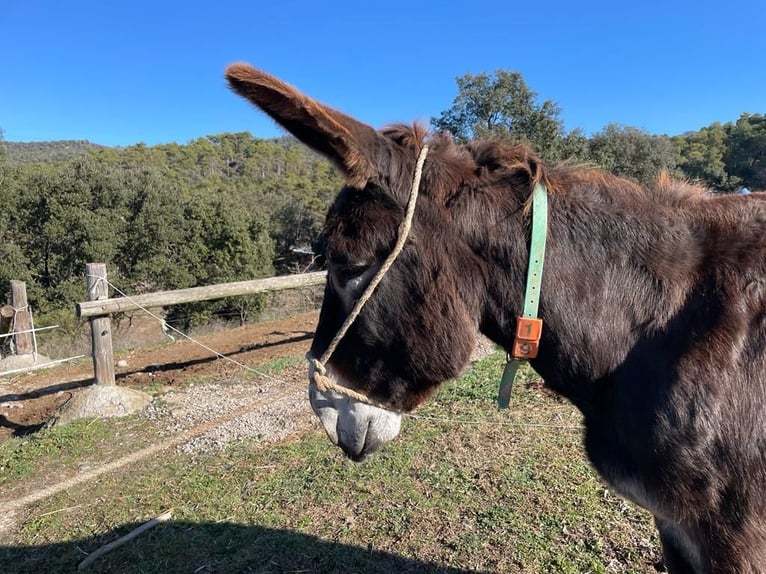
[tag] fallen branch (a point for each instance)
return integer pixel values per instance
(123, 539)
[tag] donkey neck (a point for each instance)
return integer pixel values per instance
(614, 273)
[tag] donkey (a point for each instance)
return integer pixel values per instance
(653, 304)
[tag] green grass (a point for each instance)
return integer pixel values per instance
(497, 496)
(22, 457)
(278, 366)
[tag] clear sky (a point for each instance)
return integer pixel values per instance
(123, 72)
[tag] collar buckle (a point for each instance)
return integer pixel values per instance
(527, 340)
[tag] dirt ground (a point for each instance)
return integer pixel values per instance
(27, 401)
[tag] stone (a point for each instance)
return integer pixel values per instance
(14, 363)
(102, 401)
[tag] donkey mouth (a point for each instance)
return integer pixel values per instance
(358, 428)
(355, 457)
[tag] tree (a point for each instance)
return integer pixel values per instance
(632, 152)
(76, 212)
(746, 154)
(502, 106)
(221, 244)
(14, 263)
(153, 254)
(701, 156)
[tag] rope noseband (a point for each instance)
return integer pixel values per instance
(317, 370)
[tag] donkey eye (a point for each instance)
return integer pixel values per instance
(349, 272)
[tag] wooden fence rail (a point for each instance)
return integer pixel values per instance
(103, 307)
(100, 306)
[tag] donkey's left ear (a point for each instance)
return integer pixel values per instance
(351, 145)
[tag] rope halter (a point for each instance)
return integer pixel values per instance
(317, 370)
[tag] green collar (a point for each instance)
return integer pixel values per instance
(528, 326)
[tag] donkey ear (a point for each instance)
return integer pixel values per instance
(348, 143)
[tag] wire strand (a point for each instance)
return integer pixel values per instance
(509, 423)
(426, 418)
(192, 339)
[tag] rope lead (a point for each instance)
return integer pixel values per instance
(319, 374)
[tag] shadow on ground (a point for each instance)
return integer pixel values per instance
(185, 547)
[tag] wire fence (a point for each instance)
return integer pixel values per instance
(33, 360)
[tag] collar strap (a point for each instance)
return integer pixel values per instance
(529, 326)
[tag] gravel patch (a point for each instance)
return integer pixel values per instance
(270, 411)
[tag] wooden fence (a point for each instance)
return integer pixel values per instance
(99, 307)
(18, 340)
(16, 320)
(22, 319)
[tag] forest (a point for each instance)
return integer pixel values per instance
(232, 206)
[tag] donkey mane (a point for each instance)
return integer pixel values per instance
(451, 164)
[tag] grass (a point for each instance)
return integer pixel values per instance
(496, 495)
(278, 366)
(61, 447)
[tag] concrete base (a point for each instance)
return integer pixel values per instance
(102, 401)
(14, 363)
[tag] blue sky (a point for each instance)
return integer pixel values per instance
(119, 73)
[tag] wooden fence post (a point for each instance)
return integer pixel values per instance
(6, 318)
(100, 327)
(105, 398)
(22, 324)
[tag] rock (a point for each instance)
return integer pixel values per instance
(122, 363)
(13, 363)
(102, 401)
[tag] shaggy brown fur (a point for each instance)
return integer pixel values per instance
(653, 300)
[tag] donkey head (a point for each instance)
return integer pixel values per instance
(418, 329)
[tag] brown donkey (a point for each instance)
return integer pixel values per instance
(653, 303)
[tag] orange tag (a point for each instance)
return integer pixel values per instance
(527, 340)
